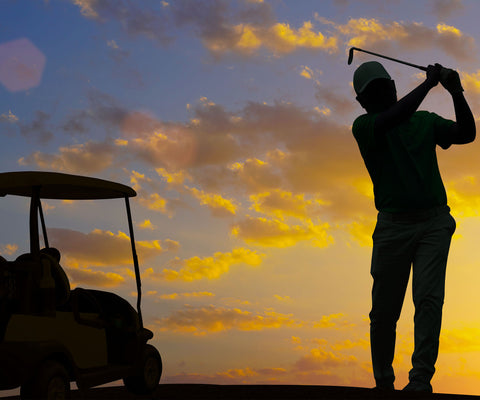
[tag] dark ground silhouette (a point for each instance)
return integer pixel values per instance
(253, 392)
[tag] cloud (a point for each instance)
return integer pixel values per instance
(150, 22)
(213, 319)
(218, 205)
(180, 296)
(104, 248)
(8, 249)
(90, 277)
(90, 157)
(331, 321)
(460, 340)
(445, 8)
(322, 360)
(276, 233)
(9, 117)
(282, 204)
(330, 97)
(147, 224)
(38, 128)
(208, 267)
(372, 34)
(154, 202)
(243, 29)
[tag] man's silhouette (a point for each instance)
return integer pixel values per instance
(414, 225)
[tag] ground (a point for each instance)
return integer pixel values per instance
(254, 392)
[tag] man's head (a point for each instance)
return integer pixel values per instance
(374, 87)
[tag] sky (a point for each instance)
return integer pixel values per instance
(254, 211)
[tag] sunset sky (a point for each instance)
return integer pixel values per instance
(232, 121)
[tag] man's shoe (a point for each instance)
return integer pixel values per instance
(417, 386)
(384, 388)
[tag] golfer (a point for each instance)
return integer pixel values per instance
(414, 226)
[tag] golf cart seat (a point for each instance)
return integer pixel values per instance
(34, 279)
(62, 284)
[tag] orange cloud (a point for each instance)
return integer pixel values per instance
(212, 319)
(331, 321)
(322, 360)
(104, 248)
(177, 296)
(90, 157)
(90, 277)
(209, 267)
(281, 204)
(8, 249)
(460, 340)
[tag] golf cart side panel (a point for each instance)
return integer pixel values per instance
(86, 344)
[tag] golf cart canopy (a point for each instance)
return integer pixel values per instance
(54, 185)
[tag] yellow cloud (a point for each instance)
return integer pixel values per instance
(362, 231)
(275, 233)
(471, 82)
(219, 205)
(285, 39)
(209, 267)
(279, 38)
(460, 340)
(154, 202)
(463, 196)
(147, 224)
(306, 72)
(282, 298)
(281, 204)
(443, 28)
(175, 178)
(248, 39)
(86, 8)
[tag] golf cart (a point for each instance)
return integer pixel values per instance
(51, 335)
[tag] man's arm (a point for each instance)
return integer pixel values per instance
(407, 105)
(463, 130)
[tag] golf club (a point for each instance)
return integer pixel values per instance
(350, 58)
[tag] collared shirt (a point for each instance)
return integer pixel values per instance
(402, 162)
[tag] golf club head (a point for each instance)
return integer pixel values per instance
(350, 55)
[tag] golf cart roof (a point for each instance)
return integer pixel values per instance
(55, 185)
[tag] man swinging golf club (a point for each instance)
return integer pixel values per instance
(414, 226)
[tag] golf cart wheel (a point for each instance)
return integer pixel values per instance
(51, 382)
(147, 377)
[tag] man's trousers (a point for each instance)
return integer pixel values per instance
(419, 241)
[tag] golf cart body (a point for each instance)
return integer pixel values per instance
(51, 335)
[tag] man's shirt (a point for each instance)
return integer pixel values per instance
(402, 162)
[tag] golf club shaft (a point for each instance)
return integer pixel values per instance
(386, 57)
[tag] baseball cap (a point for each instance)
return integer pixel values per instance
(366, 73)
